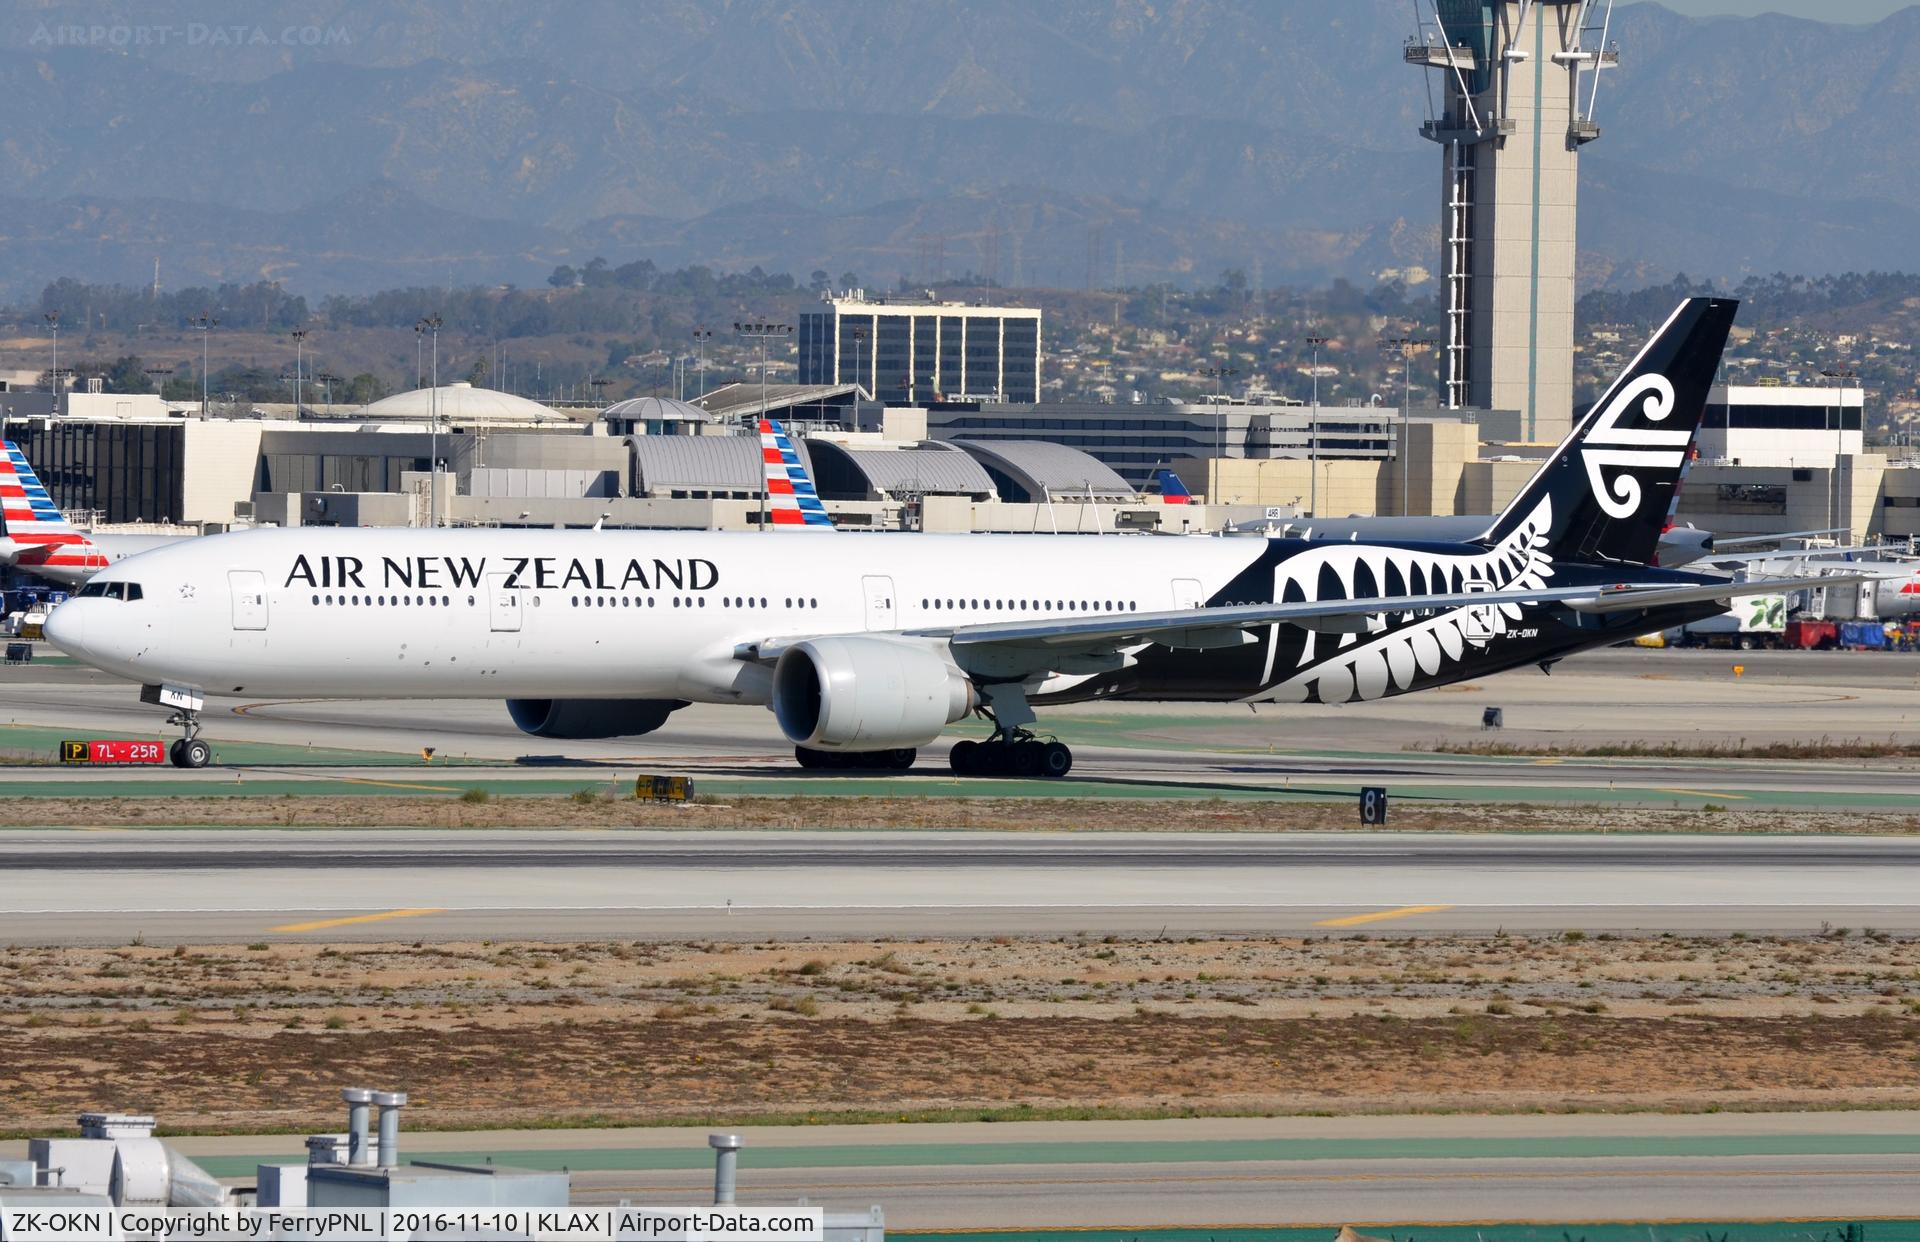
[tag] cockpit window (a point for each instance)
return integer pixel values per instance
(110, 590)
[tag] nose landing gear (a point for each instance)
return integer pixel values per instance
(186, 702)
(190, 751)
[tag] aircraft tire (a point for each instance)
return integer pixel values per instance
(173, 753)
(900, 758)
(195, 754)
(809, 758)
(963, 758)
(1055, 760)
(1026, 757)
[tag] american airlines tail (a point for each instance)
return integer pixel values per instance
(34, 534)
(792, 501)
(1607, 492)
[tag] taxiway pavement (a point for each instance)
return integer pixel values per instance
(80, 886)
(1235, 1171)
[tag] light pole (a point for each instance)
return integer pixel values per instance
(299, 336)
(1408, 347)
(701, 335)
(1842, 508)
(859, 338)
(756, 330)
(205, 323)
(1313, 427)
(328, 379)
(1219, 414)
(761, 331)
(431, 323)
(53, 376)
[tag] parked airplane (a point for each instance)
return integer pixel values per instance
(35, 536)
(866, 647)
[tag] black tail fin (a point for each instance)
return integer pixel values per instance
(1609, 486)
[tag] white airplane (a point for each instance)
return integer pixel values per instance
(36, 537)
(866, 647)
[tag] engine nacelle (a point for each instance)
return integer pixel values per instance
(866, 694)
(591, 718)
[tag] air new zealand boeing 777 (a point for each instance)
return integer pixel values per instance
(866, 646)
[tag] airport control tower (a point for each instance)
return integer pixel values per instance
(1511, 87)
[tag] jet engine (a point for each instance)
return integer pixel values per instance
(864, 694)
(591, 718)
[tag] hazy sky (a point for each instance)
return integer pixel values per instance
(1823, 10)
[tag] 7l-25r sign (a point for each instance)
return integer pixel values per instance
(113, 751)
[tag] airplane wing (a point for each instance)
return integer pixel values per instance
(1661, 597)
(1204, 627)
(1789, 554)
(1743, 540)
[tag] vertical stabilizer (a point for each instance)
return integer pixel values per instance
(1608, 489)
(792, 502)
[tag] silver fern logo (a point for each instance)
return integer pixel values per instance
(1611, 447)
(1400, 647)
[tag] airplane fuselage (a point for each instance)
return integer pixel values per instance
(344, 613)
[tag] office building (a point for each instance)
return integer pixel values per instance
(918, 351)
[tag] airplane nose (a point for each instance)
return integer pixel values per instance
(67, 628)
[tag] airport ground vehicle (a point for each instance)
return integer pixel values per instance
(1752, 622)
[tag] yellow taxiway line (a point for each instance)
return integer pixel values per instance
(323, 924)
(1377, 916)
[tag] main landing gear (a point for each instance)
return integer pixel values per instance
(899, 759)
(1014, 753)
(1012, 750)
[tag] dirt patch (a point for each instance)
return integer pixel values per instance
(521, 1033)
(1000, 814)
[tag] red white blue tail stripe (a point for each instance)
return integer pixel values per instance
(34, 530)
(792, 501)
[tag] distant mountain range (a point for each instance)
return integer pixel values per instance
(347, 144)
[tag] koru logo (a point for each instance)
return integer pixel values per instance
(1610, 446)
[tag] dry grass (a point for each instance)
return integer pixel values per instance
(539, 1033)
(1825, 748)
(909, 812)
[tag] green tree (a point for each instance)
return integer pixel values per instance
(364, 389)
(128, 373)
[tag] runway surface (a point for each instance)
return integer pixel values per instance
(1123, 750)
(1239, 1171)
(106, 887)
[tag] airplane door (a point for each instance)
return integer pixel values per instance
(882, 613)
(1479, 621)
(1186, 593)
(249, 589)
(503, 604)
